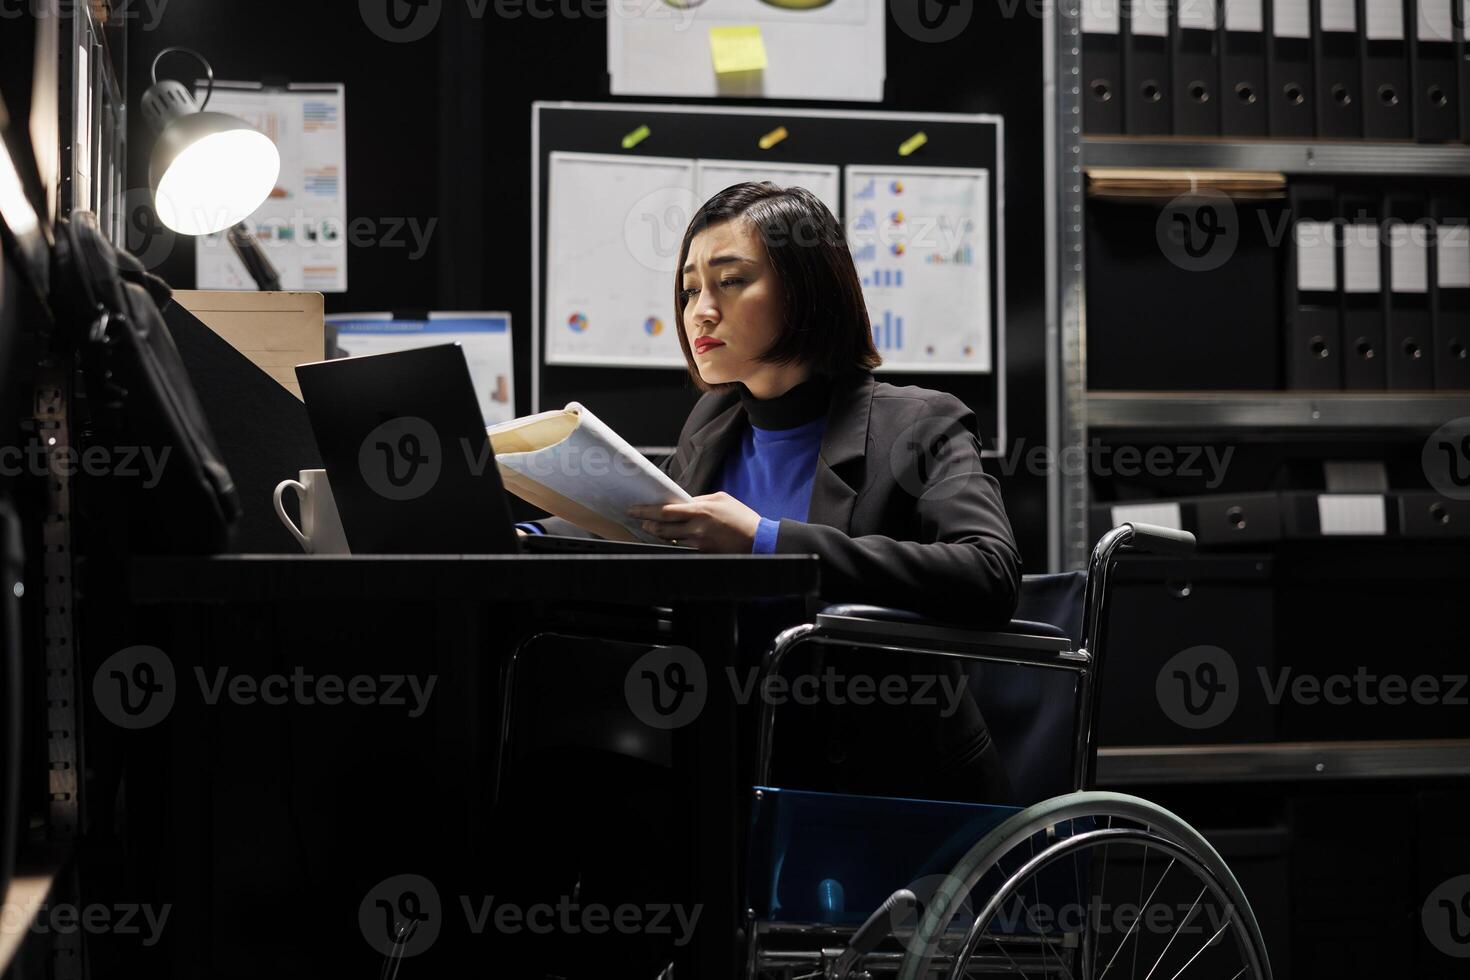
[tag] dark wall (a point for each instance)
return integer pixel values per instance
(439, 128)
(393, 144)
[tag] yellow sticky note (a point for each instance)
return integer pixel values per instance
(737, 49)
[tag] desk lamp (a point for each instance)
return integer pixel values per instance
(209, 171)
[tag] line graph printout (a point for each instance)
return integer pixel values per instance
(920, 240)
(614, 226)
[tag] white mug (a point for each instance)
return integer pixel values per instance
(321, 531)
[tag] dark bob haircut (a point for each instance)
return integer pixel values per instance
(826, 321)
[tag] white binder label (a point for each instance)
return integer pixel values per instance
(1244, 15)
(1360, 259)
(1338, 15)
(1150, 17)
(1352, 513)
(1385, 20)
(1435, 21)
(1161, 514)
(1408, 258)
(1197, 15)
(1291, 18)
(1099, 16)
(1454, 256)
(1316, 268)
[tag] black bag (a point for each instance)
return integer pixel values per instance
(161, 486)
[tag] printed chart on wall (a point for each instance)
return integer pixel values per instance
(485, 337)
(615, 226)
(713, 176)
(920, 239)
(614, 229)
(302, 227)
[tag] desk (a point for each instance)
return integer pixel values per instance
(387, 795)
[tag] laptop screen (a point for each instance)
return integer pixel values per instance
(406, 453)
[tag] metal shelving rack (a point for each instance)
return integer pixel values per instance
(1271, 412)
(1066, 355)
(1075, 410)
(1254, 415)
(1283, 761)
(1276, 156)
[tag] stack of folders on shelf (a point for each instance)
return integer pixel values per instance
(1167, 184)
(1293, 69)
(1251, 520)
(1377, 291)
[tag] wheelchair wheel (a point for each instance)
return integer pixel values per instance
(1087, 886)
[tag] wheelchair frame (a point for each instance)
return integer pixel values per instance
(833, 952)
(1027, 644)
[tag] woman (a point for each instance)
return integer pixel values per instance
(795, 449)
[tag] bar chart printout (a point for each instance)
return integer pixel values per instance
(920, 240)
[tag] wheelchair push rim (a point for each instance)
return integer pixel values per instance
(1080, 835)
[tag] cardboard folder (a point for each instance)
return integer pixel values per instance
(1428, 514)
(1291, 103)
(1362, 292)
(1216, 520)
(1102, 68)
(1243, 68)
(1313, 330)
(1437, 94)
(1462, 56)
(1146, 107)
(1410, 339)
(1339, 69)
(276, 331)
(1450, 293)
(1195, 79)
(1386, 90)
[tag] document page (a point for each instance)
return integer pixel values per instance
(571, 465)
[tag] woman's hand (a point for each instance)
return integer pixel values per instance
(715, 523)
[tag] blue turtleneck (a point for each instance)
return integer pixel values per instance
(773, 468)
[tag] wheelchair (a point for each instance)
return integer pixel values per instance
(1058, 881)
(1078, 884)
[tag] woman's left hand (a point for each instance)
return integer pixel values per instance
(715, 522)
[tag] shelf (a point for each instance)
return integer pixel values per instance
(1303, 411)
(1277, 761)
(1277, 156)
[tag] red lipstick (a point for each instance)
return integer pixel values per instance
(706, 343)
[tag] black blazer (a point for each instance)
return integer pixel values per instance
(902, 513)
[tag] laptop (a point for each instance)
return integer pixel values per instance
(412, 471)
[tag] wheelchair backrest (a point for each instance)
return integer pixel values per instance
(1032, 712)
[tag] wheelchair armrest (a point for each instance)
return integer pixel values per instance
(859, 616)
(1160, 540)
(1021, 642)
